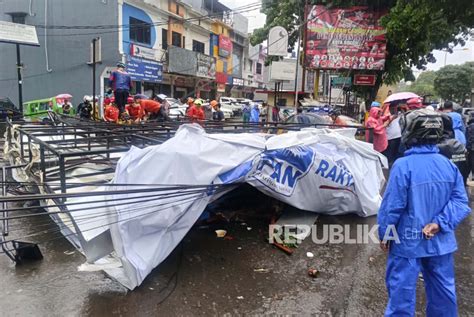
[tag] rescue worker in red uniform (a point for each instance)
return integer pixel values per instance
(196, 112)
(152, 109)
(111, 113)
(135, 110)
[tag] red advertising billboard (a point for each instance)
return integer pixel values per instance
(225, 45)
(344, 38)
(221, 78)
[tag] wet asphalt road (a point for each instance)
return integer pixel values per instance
(209, 276)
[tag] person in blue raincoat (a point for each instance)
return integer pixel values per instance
(424, 202)
(458, 123)
(255, 113)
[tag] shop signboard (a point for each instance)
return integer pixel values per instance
(144, 70)
(237, 82)
(282, 71)
(206, 66)
(221, 78)
(181, 61)
(225, 45)
(341, 82)
(364, 80)
(141, 51)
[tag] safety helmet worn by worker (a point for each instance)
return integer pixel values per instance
(190, 101)
(421, 127)
(375, 104)
(213, 103)
(121, 65)
(198, 102)
(414, 103)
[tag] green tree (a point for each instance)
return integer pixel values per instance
(414, 28)
(453, 82)
(424, 84)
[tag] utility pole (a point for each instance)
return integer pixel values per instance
(297, 61)
(19, 67)
(94, 40)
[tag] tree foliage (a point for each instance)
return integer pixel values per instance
(424, 84)
(453, 82)
(414, 28)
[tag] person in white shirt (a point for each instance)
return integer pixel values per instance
(394, 134)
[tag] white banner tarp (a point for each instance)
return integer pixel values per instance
(317, 170)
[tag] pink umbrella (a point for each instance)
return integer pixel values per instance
(64, 96)
(401, 96)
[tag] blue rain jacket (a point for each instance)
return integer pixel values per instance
(424, 187)
(254, 114)
(458, 127)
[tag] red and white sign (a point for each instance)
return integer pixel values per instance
(221, 78)
(225, 45)
(364, 80)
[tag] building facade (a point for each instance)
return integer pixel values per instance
(178, 48)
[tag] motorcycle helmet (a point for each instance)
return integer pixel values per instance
(421, 126)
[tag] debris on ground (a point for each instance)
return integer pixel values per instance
(310, 255)
(221, 233)
(313, 272)
(261, 270)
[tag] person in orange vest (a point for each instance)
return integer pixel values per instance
(195, 112)
(111, 113)
(153, 109)
(135, 110)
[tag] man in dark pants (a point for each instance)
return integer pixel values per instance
(470, 142)
(121, 83)
(424, 202)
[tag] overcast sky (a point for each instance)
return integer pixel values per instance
(256, 19)
(460, 55)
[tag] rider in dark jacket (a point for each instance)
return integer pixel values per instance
(454, 150)
(470, 141)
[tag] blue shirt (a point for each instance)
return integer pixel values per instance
(458, 127)
(120, 80)
(254, 114)
(424, 187)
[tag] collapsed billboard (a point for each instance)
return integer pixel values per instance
(323, 171)
(344, 38)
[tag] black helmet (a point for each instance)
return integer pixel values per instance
(121, 65)
(421, 126)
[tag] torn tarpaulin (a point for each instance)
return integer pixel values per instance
(315, 170)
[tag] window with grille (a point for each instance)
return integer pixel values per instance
(176, 39)
(140, 31)
(198, 46)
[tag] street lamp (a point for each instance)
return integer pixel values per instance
(446, 51)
